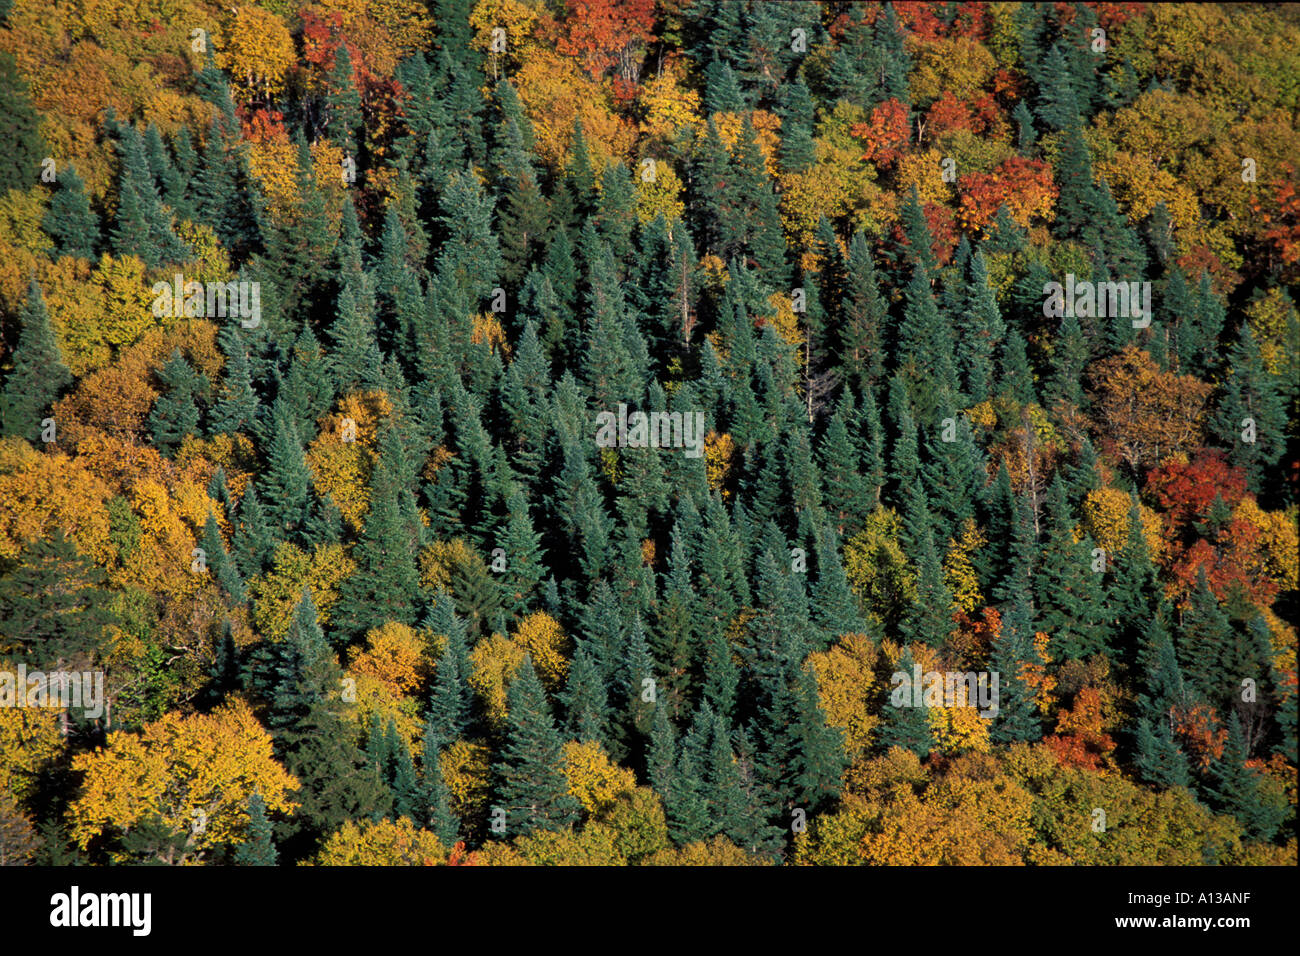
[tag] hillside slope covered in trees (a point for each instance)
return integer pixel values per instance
(326, 330)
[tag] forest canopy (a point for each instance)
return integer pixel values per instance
(542, 432)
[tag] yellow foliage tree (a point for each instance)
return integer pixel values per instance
(959, 728)
(767, 134)
(30, 740)
(258, 53)
(785, 320)
(541, 636)
(958, 65)
(277, 593)
(877, 569)
(381, 843)
(441, 559)
(845, 681)
(959, 567)
(165, 560)
(493, 664)
(41, 492)
(515, 20)
(195, 774)
(595, 780)
(921, 170)
(467, 772)
(672, 109)
(555, 92)
(375, 700)
(342, 455)
(716, 852)
(593, 845)
(658, 194)
(1105, 516)
(1280, 539)
(397, 656)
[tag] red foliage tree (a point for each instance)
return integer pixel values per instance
(607, 33)
(948, 113)
(1281, 216)
(1025, 186)
(886, 133)
(1184, 490)
(1081, 740)
(1201, 733)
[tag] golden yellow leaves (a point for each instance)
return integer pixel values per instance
(767, 127)
(440, 561)
(719, 452)
(845, 685)
(672, 109)
(611, 466)
(194, 773)
(467, 772)
(784, 319)
(114, 310)
(277, 593)
(877, 570)
(497, 853)
(494, 662)
(957, 65)
(273, 160)
(486, 329)
(21, 215)
(834, 839)
(658, 194)
(976, 814)
(503, 29)
(718, 851)
(595, 780)
(258, 53)
(1272, 317)
(1036, 675)
(541, 636)
(342, 455)
(982, 415)
(29, 740)
(922, 171)
(381, 843)
(912, 832)
(715, 275)
(1105, 517)
(39, 492)
(375, 701)
(234, 454)
(555, 92)
(838, 184)
(958, 727)
(164, 559)
(115, 401)
(1281, 543)
(593, 845)
(396, 656)
(959, 568)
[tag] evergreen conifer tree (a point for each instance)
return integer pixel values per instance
(531, 784)
(70, 220)
(38, 373)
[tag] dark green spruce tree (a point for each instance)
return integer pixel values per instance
(37, 375)
(532, 787)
